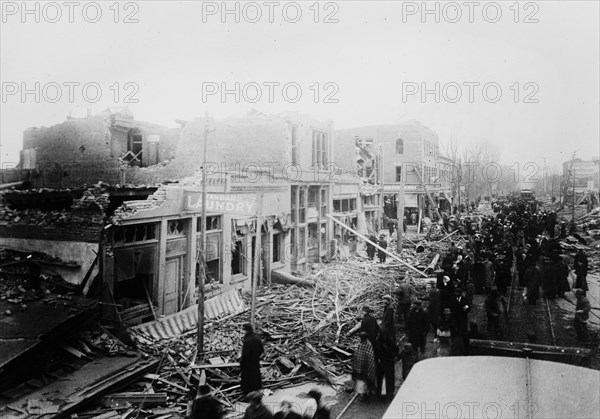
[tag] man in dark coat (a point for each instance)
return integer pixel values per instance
(417, 326)
(460, 312)
(563, 277)
(388, 315)
(256, 409)
(369, 325)
(383, 244)
(387, 353)
(370, 247)
(205, 405)
(403, 293)
(252, 349)
(581, 269)
(533, 280)
(550, 280)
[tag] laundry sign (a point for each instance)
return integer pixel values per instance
(229, 203)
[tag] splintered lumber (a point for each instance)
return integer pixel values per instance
(387, 252)
(157, 377)
(141, 398)
(280, 277)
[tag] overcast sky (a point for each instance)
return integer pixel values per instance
(373, 58)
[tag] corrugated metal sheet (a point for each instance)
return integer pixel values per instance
(185, 320)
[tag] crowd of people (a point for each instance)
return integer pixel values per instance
(518, 241)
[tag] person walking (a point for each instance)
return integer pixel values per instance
(387, 353)
(403, 292)
(417, 326)
(533, 280)
(256, 409)
(409, 359)
(495, 306)
(383, 244)
(368, 325)
(286, 410)
(371, 247)
(388, 315)
(314, 407)
(581, 270)
(364, 371)
(205, 405)
(252, 349)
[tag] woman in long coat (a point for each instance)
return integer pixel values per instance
(252, 349)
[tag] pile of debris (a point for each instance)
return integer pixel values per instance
(43, 207)
(590, 223)
(128, 208)
(304, 331)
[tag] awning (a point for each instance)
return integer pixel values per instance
(495, 387)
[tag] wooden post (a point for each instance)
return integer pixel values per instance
(257, 255)
(400, 217)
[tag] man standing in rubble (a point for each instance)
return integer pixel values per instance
(404, 299)
(383, 244)
(388, 315)
(368, 325)
(252, 349)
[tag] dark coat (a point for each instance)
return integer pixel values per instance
(252, 349)
(206, 407)
(257, 412)
(417, 326)
(369, 325)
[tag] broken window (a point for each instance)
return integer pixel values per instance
(344, 205)
(213, 222)
(278, 240)
(398, 173)
(134, 147)
(319, 150)
(134, 233)
(323, 202)
(238, 258)
(175, 228)
(399, 146)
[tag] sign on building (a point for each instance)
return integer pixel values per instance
(229, 203)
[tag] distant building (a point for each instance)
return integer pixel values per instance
(408, 154)
(110, 146)
(584, 172)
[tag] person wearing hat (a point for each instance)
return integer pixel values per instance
(205, 405)
(383, 244)
(409, 358)
(286, 410)
(495, 306)
(388, 315)
(252, 349)
(417, 326)
(371, 247)
(368, 324)
(386, 354)
(403, 297)
(582, 314)
(364, 371)
(581, 269)
(314, 407)
(256, 409)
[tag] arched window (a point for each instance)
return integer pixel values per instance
(399, 146)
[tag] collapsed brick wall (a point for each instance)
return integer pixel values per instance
(86, 234)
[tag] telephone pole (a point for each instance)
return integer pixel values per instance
(202, 263)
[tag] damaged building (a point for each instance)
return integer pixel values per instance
(110, 146)
(411, 165)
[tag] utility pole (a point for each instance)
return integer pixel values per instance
(545, 178)
(202, 263)
(257, 255)
(573, 215)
